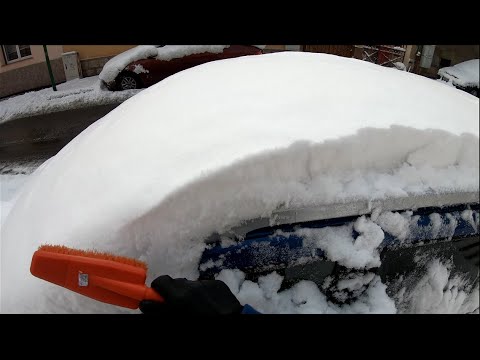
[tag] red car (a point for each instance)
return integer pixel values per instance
(159, 62)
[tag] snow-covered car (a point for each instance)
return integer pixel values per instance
(464, 76)
(266, 172)
(146, 65)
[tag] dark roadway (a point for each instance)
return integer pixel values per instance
(41, 137)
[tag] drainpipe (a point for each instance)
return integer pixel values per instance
(52, 79)
(427, 56)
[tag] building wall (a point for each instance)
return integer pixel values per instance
(273, 48)
(38, 56)
(92, 67)
(409, 58)
(95, 51)
(339, 50)
(455, 53)
(94, 57)
(31, 73)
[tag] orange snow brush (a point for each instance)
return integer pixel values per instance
(104, 277)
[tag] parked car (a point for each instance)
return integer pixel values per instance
(464, 76)
(144, 66)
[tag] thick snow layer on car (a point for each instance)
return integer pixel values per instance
(168, 52)
(465, 74)
(13, 177)
(232, 140)
(340, 246)
(74, 94)
(8, 189)
(116, 64)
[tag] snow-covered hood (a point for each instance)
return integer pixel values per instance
(231, 140)
(465, 74)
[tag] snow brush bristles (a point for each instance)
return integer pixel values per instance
(105, 277)
(93, 254)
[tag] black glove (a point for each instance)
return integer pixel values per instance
(184, 296)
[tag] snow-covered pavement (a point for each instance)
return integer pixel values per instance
(74, 94)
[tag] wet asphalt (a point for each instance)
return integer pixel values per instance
(37, 138)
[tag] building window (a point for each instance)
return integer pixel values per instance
(16, 52)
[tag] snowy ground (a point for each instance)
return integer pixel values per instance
(213, 146)
(73, 94)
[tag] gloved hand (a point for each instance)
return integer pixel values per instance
(184, 296)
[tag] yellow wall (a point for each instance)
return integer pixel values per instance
(38, 55)
(275, 47)
(94, 51)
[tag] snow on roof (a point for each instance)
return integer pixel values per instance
(231, 140)
(465, 74)
(168, 52)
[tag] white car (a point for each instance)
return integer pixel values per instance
(464, 76)
(302, 194)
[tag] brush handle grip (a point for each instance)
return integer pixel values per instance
(134, 291)
(151, 294)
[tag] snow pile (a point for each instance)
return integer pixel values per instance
(231, 140)
(303, 298)
(395, 223)
(168, 52)
(116, 64)
(340, 246)
(73, 94)
(400, 66)
(465, 74)
(355, 282)
(139, 69)
(467, 215)
(439, 292)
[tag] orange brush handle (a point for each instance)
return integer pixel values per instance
(135, 291)
(104, 277)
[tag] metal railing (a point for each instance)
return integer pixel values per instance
(385, 55)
